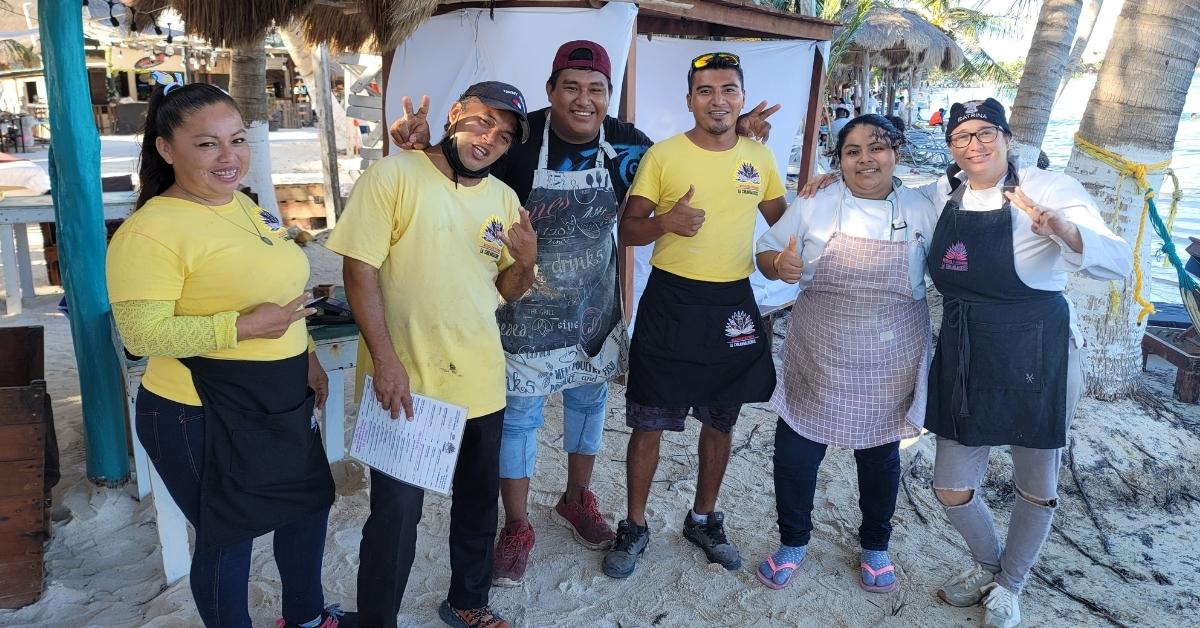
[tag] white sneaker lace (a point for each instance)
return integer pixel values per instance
(1000, 601)
(970, 576)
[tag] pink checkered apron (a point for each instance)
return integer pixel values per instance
(856, 358)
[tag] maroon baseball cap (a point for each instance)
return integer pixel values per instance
(582, 54)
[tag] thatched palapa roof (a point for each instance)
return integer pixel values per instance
(903, 40)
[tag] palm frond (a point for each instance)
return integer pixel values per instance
(15, 54)
(978, 65)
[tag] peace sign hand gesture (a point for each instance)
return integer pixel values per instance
(753, 124)
(1047, 222)
(412, 131)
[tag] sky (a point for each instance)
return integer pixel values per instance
(1016, 45)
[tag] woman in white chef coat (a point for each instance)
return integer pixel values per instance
(1008, 367)
(857, 350)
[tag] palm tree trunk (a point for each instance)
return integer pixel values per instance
(248, 86)
(1044, 67)
(1083, 34)
(1134, 110)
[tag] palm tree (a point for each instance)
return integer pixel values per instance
(248, 86)
(1134, 110)
(1044, 68)
(1083, 34)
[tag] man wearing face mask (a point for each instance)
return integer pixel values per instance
(568, 334)
(429, 239)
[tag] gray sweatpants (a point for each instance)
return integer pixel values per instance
(958, 467)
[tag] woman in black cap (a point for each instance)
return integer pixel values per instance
(1008, 369)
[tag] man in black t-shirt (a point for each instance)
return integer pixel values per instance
(567, 335)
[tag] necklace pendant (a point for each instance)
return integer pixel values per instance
(266, 240)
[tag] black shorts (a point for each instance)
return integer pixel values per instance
(653, 418)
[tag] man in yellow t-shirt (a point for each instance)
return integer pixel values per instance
(699, 343)
(430, 241)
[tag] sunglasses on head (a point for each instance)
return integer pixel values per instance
(709, 58)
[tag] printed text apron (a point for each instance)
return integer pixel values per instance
(569, 329)
(856, 358)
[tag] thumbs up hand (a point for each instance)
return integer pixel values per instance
(683, 219)
(787, 263)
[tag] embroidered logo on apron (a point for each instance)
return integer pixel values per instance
(747, 178)
(955, 258)
(489, 237)
(740, 330)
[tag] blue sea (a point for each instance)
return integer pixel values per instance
(1064, 122)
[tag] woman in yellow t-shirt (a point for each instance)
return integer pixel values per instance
(210, 287)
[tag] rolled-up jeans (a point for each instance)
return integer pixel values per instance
(959, 467)
(583, 427)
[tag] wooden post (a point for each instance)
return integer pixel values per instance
(626, 113)
(812, 118)
(79, 212)
(329, 162)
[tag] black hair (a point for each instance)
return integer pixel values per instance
(165, 113)
(897, 122)
(884, 131)
(840, 112)
(463, 101)
(718, 64)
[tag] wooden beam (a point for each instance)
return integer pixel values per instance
(627, 113)
(384, 75)
(328, 135)
(765, 23)
(812, 119)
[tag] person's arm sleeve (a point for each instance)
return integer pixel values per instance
(142, 267)
(368, 227)
(152, 328)
(647, 184)
(791, 224)
(1105, 255)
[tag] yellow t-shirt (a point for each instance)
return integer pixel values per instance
(729, 186)
(438, 257)
(207, 260)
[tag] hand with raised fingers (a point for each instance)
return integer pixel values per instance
(787, 264)
(754, 125)
(683, 219)
(1046, 222)
(412, 131)
(268, 320)
(521, 240)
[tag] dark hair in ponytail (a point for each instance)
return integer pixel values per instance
(167, 111)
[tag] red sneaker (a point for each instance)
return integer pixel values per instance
(585, 521)
(512, 554)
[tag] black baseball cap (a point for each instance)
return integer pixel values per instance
(502, 96)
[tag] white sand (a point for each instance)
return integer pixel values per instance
(1139, 471)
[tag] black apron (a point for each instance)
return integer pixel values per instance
(264, 466)
(698, 343)
(999, 374)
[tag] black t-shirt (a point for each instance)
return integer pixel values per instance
(517, 166)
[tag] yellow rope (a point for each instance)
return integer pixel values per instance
(1137, 172)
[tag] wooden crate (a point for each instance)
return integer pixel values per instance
(301, 204)
(22, 451)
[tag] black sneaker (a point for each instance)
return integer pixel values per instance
(710, 537)
(631, 542)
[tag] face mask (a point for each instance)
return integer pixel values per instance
(450, 151)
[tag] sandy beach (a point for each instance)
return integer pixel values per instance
(1123, 551)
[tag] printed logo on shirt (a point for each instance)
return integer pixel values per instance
(740, 329)
(272, 222)
(489, 237)
(747, 178)
(955, 258)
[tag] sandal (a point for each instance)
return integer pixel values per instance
(875, 573)
(769, 563)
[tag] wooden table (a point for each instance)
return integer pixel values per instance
(16, 212)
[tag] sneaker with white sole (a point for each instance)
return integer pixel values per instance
(966, 588)
(1002, 610)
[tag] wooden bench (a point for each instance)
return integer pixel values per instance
(1182, 349)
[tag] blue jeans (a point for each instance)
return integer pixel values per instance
(583, 427)
(796, 462)
(173, 435)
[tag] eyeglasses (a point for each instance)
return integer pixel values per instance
(985, 136)
(707, 59)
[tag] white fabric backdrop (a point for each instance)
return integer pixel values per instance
(450, 52)
(775, 71)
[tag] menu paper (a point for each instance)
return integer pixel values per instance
(421, 452)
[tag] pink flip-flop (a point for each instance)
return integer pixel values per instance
(875, 574)
(770, 582)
